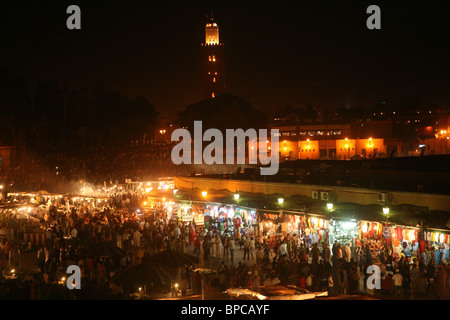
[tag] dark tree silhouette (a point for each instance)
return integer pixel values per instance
(223, 112)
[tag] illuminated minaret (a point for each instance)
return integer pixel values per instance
(213, 61)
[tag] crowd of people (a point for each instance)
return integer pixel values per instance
(240, 261)
(55, 172)
(73, 235)
(339, 270)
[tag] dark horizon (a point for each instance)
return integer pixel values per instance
(277, 54)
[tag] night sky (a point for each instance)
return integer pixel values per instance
(277, 52)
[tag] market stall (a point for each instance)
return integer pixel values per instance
(413, 242)
(314, 229)
(344, 231)
(275, 224)
(269, 226)
(230, 219)
(190, 213)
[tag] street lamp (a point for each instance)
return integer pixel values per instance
(280, 201)
(330, 206)
(236, 196)
(204, 194)
(386, 210)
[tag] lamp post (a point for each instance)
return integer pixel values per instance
(280, 202)
(330, 206)
(386, 212)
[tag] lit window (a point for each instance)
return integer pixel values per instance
(214, 79)
(212, 95)
(213, 58)
(210, 59)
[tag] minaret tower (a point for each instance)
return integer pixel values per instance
(213, 61)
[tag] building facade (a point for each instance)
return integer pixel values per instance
(332, 141)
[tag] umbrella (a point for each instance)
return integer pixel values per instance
(149, 274)
(104, 248)
(172, 258)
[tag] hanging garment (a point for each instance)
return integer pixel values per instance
(386, 232)
(307, 232)
(396, 242)
(422, 244)
(321, 235)
(237, 223)
(314, 237)
(371, 229)
(320, 223)
(398, 231)
(435, 236)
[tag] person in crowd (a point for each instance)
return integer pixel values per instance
(443, 283)
(326, 253)
(415, 275)
(246, 244)
(252, 247)
(226, 246)
(348, 253)
(315, 253)
(232, 248)
(397, 280)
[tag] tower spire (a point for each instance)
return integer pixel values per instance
(210, 16)
(213, 64)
